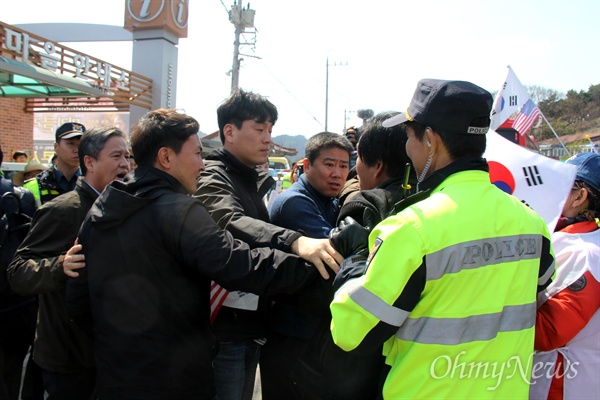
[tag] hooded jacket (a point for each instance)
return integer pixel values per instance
(151, 252)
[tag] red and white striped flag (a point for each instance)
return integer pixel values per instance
(220, 297)
(528, 115)
(218, 294)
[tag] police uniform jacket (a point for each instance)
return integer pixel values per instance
(450, 289)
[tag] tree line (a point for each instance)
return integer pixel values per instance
(575, 112)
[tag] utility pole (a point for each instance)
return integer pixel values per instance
(235, 66)
(241, 18)
(327, 87)
(326, 92)
(346, 112)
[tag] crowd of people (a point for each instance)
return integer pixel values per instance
(408, 275)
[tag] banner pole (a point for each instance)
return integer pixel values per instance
(555, 134)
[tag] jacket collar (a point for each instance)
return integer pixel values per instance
(232, 163)
(262, 182)
(576, 225)
(313, 192)
(462, 164)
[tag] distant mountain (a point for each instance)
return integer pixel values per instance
(297, 142)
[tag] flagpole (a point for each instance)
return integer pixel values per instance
(555, 134)
(594, 149)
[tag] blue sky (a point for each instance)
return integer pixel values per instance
(388, 45)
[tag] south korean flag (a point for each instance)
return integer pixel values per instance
(538, 181)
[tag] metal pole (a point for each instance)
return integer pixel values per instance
(326, 91)
(555, 134)
(235, 67)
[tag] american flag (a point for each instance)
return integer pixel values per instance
(218, 295)
(527, 117)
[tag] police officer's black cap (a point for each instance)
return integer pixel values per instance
(70, 130)
(449, 106)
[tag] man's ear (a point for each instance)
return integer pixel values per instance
(379, 168)
(431, 139)
(305, 164)
(228, 130)
(89, 163)
(164, 158)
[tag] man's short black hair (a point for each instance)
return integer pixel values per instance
(387, 145)
(160, 128)
(458, 146)
(326, 140)
(93, 142)
(242, 106)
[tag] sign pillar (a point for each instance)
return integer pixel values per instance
(157, 26)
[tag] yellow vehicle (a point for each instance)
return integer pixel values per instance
(279, 163)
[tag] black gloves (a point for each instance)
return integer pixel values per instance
(350, 238)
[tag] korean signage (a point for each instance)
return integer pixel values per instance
(115, 82)
(45, 124)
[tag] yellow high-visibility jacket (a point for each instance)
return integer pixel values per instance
(286, 181)
(450, 290)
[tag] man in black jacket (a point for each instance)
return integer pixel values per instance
(382, 170)
(17, 313)
(233, 192)
(150, 252)
(62, 351)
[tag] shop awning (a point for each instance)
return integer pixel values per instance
(18, 79)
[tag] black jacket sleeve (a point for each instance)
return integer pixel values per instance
(36, 268)
(231, 263)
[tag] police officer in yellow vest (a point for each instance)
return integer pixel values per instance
(61, 177)
(451, 280)
(286, 181)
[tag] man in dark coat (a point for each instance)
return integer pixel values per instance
(17, 313)
(150, 252)
(233, 192)
(62, 351)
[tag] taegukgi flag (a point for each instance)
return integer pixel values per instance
(538, 181)
(511, 97)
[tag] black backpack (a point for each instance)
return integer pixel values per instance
(14, 225)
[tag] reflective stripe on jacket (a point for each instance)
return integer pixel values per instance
(451, 288)
(42, 195)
